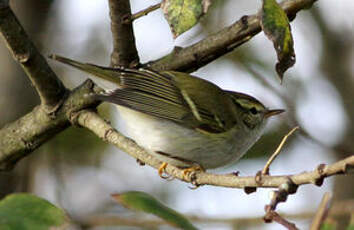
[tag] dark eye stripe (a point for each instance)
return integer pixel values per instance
(253, 110)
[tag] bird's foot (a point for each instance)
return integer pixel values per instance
(193, 169)
(161, 171)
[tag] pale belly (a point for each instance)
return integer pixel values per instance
(182, 146)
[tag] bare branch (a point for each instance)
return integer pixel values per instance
(145, 11)
(322, 212)
(274, 216)
(224, 41)
(124, 50)
(103, 130)
(50, 89)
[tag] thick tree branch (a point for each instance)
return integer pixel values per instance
(226, 40)
(103, 130)
(49, 87)
(124, 50)
(23, 136)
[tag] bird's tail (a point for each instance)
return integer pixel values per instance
(106, 73)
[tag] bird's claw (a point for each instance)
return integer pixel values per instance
(161, 171)
(194, 168)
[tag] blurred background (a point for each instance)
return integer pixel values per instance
(78, 172)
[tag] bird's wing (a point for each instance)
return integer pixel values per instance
(175, 96)
(169, 96)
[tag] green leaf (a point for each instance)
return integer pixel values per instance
(140, 201)
(275, 25)
(28, 212)
(328, 226)
(182, 15)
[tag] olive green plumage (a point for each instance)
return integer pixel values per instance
(184, 112)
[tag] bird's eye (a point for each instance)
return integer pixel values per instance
(253, 110)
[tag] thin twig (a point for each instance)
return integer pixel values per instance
(322, 212)
(145, 11)
(272, 215)
(265, 170)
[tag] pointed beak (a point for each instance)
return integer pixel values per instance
(273, 112)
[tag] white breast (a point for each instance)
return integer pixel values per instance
(160, 135)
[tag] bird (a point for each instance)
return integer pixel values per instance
(179, 118)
